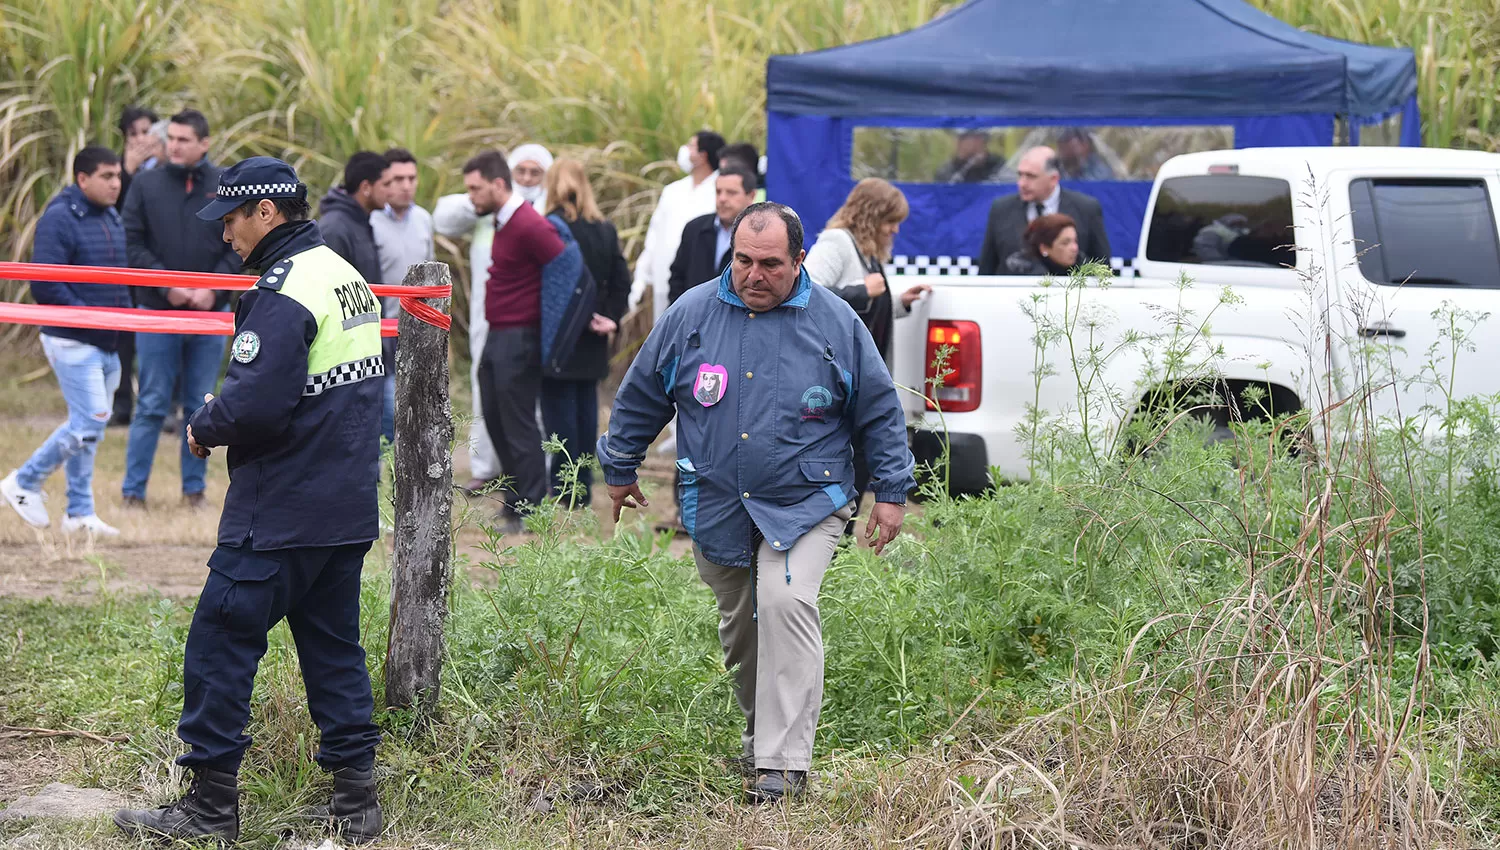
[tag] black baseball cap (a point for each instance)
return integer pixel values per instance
(253, 179)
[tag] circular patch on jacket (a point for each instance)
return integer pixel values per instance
(815, 403)
(246, 347)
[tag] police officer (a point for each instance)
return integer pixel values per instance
(299, 414)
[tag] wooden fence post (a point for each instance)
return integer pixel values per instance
(423, 474)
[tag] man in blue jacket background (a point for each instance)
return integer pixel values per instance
(80, 227)
(773, 380)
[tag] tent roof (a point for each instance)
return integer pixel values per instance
(1096, 58)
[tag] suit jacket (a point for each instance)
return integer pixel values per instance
(695, 261)
(1007, 224)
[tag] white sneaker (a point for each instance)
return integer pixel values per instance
(28, 503)
(91, 523)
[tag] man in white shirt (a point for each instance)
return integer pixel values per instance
(403, 236)
(680, 203)
(528, 169)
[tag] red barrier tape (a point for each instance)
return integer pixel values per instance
(141, 321)
(185, 280)
(410, 295)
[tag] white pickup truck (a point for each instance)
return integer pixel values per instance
(1383, 238)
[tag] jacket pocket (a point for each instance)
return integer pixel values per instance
(835, 477)
(687, 495)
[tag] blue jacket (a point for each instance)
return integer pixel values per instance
(300, 406)
(776, 452)
(568, 294)
(75, 232)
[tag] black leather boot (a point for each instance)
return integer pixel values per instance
(209, 809)
(354, 810)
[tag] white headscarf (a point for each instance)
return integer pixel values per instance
(535, 195)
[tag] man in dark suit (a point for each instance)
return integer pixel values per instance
(704, 250)
(1038, 193)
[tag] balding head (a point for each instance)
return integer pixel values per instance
(767, 263)
(1036, 174)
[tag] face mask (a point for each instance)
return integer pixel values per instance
(532, 194)
(684, 160)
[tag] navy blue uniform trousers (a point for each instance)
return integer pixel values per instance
(316, 589)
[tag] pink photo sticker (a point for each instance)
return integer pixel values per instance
(709, 387)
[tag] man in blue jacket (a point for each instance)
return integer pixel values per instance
(298, 414)
(773, 380)
(80, 227)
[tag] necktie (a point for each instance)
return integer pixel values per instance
(1041, 209)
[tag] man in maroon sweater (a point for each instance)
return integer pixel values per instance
(510, 369)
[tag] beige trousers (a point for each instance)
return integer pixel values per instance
(770, 628)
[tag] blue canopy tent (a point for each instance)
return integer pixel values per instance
(995, 64)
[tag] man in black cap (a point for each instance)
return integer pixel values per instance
(299, 413)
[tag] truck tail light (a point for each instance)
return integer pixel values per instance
(960, 389)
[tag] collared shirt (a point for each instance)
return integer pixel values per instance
(502, 215)
(1049, 206)
(721, 239)
(769, 407)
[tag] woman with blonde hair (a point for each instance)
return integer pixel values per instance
(849, 258)
(850, 255)
(570, 395)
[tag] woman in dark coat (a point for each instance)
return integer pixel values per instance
(1051, 247)
(570, 395)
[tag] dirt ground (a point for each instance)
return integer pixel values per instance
(164, 548)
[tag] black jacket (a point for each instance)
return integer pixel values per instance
(163, 231)
(303, 438)
(125, 180)
(1007, 224)
(1027, 263)
(695, 261)
(346, 229)
(600, 245)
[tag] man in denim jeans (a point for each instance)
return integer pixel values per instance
(80, 227)
(163, 232)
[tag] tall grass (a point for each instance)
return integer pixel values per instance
(618, 83)
(1456, 45)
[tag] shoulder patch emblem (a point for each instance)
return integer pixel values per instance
(246, 347)
(275, 276)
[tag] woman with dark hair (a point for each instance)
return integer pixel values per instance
(570, 395)
(1051, 247)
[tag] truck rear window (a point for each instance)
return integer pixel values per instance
(1223, 220)
(1425, 232)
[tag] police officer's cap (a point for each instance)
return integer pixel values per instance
(253, 179)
